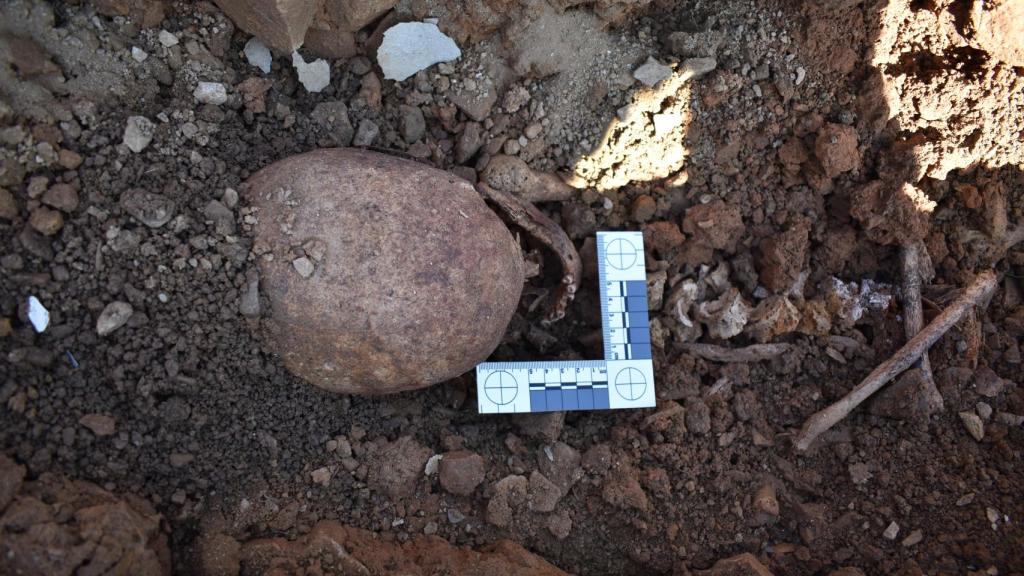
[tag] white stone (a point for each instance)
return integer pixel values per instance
(413, 46)
(115, 315)
(304, 266)
(652, 72)
(38, 315)
(138, 133)
(315, 75)
(258, 55)
(138, 54)
(891, 531)
(210, 93)
(167, 39)
(432, 465)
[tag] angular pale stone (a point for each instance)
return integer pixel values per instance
(413, 46)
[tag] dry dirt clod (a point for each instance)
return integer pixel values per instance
(461, 472)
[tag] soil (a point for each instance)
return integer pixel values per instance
(773, 204)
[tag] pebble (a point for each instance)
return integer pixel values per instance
(8, 206)
(697, 67)
(62, 197)
(69, 159)
(321, 476)
(258, 55)
(138, 133)
(891, 531)
(913, 538)
(45, 221)
(412, 124)
(409, 47)
(801, 73)
(461, 472)
(153, 210)
(430, 529)
(115, 315)
(167, 39)
(984, 410)
(230, 197)
(454, 516)
(975, 427)
(314, 76)
(652, 72)
(432, 464)
(210, 93)
(138, 54)
(38, 315)
(366, 134)
(99, 424)
(304, 266)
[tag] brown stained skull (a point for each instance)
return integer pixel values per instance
(386, 275)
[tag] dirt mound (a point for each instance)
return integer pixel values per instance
(57, 526)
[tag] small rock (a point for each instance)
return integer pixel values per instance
(860, 473)
(913, 538)
(652, 72)
(249, 302)
(412, 124)
(694, 44)
(1009, 419)
(210, 93)
(321, 476)
(560, 525)
(623, 491)
(258, 55)
(153, 210)
(430, 528)
(543, 494)
(62, 197)
(114, 315)
(987, 382)
(167, 39)
(230, 198)
(315, 75)
(698, 416)
(455, 516)
(697, 67)
(560, 463)
(45, 221)
(992, 515)
(644, 208)
(975, 427)
(984, 410)
(544, 426)
(432, 465)
(509, 494)
(774, 316)
(304, 266)
(409, 47)
(469, 142)
(99, 424)
(138, 133)
(8, 206)
(333, 117)
(836, 149)
(891, 531)
(69, 159)
(461, 472)
(139, 55)
(366, 134)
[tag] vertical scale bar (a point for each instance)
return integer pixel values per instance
(602, 288)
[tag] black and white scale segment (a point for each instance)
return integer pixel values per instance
(624, 379)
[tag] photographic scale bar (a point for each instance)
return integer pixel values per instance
(624, 379)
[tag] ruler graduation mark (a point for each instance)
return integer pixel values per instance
(624, 379)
